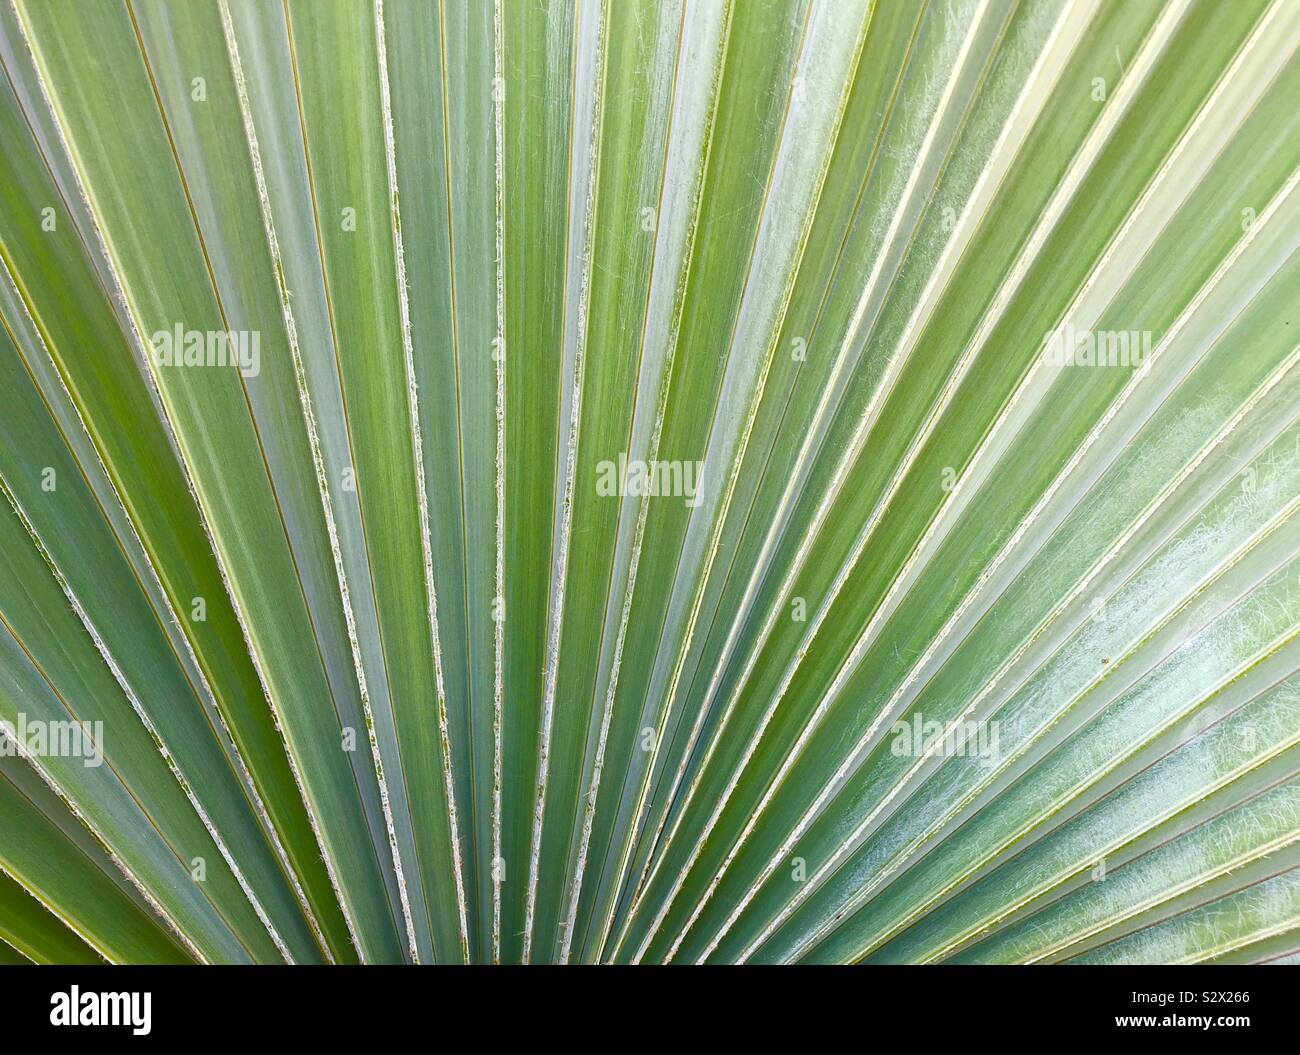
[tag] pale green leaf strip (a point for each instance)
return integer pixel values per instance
(1049, 44)
(911, 564)
(1241, 919)
(1212, 655)
(155, 833)
(36, 932)
(591, 46)
(972, 51)
(1018, 544)
(763, 42)
(697, 71)
(240, 822)
(417, 452)
(1254, 734)
(1214, 538)
(893, 30)
(104, 385)
(79, 884)
(538, 85)
(222, 200)
(30, 610)
(637, 79)
(463, 412)
(1257, 829)
(64, 519)
(1156, 454)
(209, 412)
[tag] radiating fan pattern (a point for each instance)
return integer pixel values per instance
(730, 481)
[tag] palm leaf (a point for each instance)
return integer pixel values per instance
(695, 481)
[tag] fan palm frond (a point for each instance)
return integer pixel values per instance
(649, 480)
